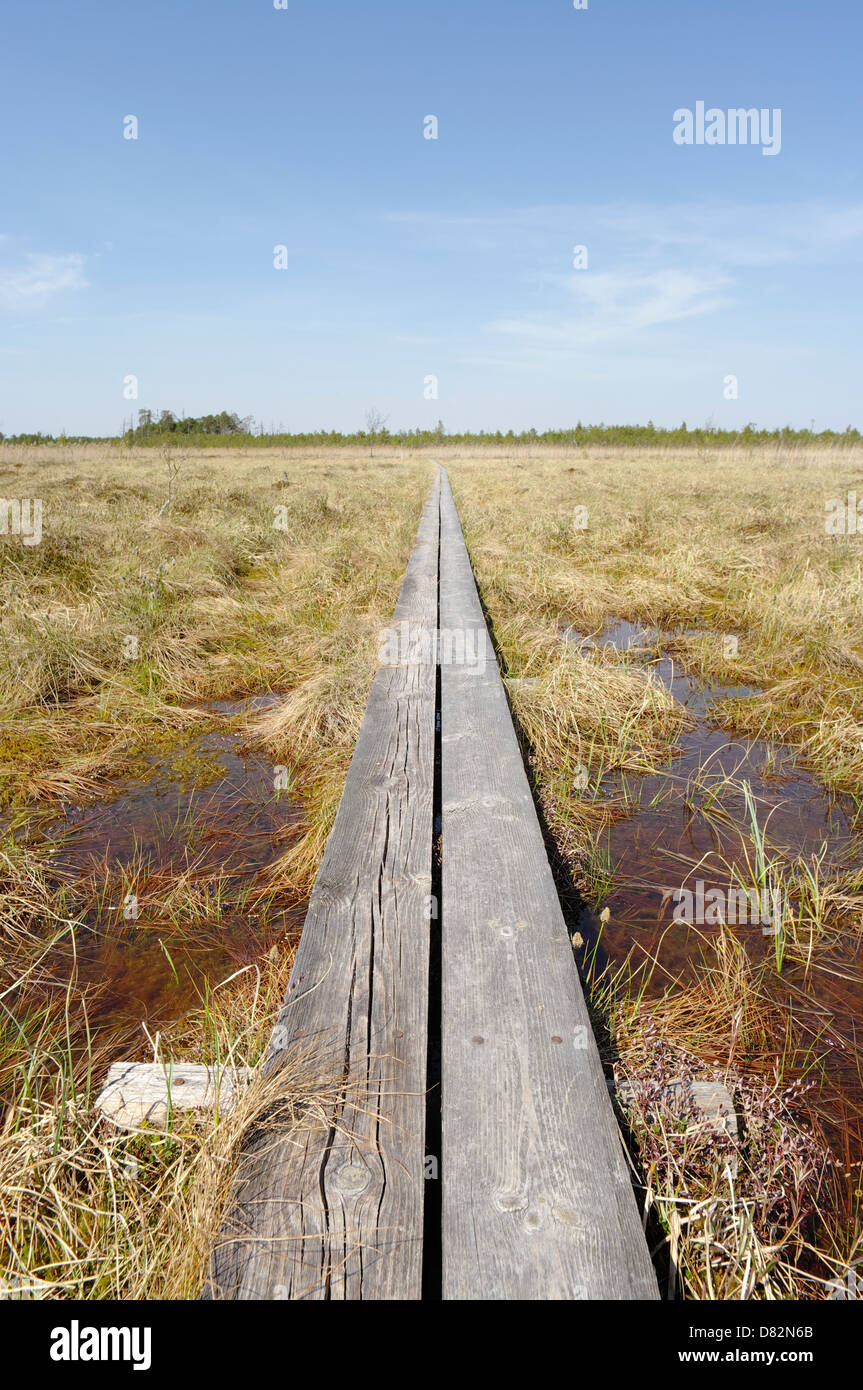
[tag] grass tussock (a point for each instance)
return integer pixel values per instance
(769, 1212)
(709, 546)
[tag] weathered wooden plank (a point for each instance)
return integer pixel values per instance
(139, 1093)
(537, 1199)
(713, 1104)
(333, 1209)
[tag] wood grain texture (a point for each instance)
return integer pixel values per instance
(333, 1208)
(537, 1198)
(150, 1093)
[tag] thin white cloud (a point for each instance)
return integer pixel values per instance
(40, 278)
(754, 234)
(634, 300)
(723, 234)
(615, 305)
(651, 266)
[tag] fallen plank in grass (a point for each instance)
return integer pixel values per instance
(711, 1104)
(149, 1093)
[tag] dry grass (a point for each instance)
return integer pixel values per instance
(223, 604)
(731, 543)
(223, 594)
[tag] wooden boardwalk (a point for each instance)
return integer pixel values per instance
(537, 1200)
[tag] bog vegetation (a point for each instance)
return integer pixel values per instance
(243, 569)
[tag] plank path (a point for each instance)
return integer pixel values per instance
(537, 1201)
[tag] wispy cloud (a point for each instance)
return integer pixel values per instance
(720, 233)
(611, 306)
(650, 265)
(732, 234)
(40, 278)
(631, 299)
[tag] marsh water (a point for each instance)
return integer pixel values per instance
(690, 823)
(165, 876)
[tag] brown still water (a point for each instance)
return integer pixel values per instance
(673, 837)
(166, 879)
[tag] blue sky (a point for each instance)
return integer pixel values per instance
(408, 257)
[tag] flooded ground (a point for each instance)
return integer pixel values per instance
(689, 826)
(165, 877)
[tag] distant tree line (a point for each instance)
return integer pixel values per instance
(151, 429)
(235, 431)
